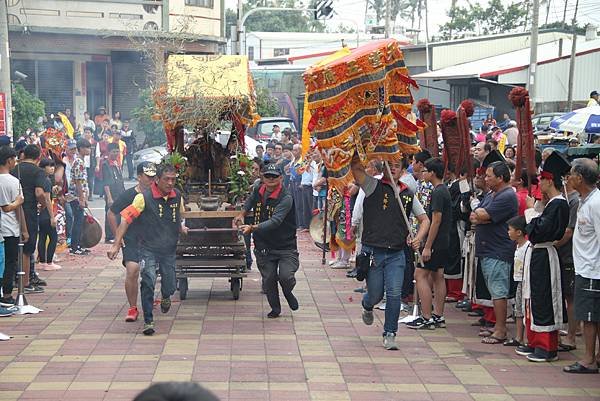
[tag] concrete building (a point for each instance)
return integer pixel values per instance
(82, 54)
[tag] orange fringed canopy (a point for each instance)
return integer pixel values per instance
(359, 103)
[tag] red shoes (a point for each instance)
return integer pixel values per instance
(132, 314)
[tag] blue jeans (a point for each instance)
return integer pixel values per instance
(148, 264)
(77, 224)
(2, 263)
(68, 218)
(386, 273)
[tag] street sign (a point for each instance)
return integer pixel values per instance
(2, 113)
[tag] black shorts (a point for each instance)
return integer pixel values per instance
(439, 260)
(587, 299)
(567, 280)
(131, 253)
(32, 221)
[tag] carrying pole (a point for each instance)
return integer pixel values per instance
(325, 222)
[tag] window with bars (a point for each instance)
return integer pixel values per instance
(200, 3)
(281, 52)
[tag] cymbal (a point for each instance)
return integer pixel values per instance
(316, 230)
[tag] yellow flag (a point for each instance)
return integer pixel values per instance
(306, 113)
(68, 127)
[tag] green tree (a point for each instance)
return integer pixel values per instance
(275, 21)
(266, 105)
(566, 27)
(402, 9)
(27, 109)
(495, 18)
(143, 118)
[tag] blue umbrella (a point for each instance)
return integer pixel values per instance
(585, 120)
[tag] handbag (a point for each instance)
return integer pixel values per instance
(363, 265)
(91, 232)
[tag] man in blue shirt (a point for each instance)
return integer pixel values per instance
(493, 247)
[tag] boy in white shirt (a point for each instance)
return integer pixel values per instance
(516, 232)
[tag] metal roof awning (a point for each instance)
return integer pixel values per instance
(508, 63)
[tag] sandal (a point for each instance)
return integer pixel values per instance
(579, 368)
(493, 340)
(485, 333)
(512, 343)
(566, 347)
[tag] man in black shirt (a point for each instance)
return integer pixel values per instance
(146, 172)
(435, 253)
(32, 180)
(384, 238)
(274, 233)
(158, 213)
(112, 178)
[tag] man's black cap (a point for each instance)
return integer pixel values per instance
(594, 93)
(147, 168)
(493, 156)
(272, 169)
(556, 164)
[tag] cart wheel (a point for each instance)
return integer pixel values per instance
(183, 287)
(236, 285)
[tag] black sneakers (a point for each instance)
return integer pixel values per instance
(7, 302)
(524, 350)
(37, 281)
(421, 323)
(439, 321)
(165, 305)
(33, 289)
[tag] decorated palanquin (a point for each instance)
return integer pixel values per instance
(200, 90)
(358, 102)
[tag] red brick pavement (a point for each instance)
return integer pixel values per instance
(80, 348)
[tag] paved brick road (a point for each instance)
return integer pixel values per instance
(80, 348)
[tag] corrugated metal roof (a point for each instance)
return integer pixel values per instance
(316, 36)
(510, 62)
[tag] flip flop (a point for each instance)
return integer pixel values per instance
(579, 368)
(493, 340)
(486, 333)
(566, 347)
(511, 343)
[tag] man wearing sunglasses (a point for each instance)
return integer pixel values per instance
(274, 233)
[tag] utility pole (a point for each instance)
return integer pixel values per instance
(533, 52)
(5, 86)
(572, 61)
(388, 11)
(452, 7)
(548, 4)
(564, 22)
(240, 13)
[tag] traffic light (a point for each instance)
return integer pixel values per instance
(324, 9)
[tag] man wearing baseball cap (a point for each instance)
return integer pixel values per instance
(146, 173)
(274, 233)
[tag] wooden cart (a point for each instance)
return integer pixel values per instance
(211, 249)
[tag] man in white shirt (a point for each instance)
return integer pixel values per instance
(87, 122)
(11, 198)
(586, 257)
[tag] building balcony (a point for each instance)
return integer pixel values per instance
(202, 18)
